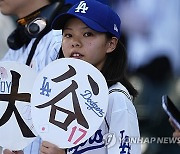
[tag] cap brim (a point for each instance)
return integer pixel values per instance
(60, 21)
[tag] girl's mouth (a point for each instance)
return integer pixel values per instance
(76, 55)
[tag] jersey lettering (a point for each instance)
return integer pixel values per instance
(96, 139)
(124, 147)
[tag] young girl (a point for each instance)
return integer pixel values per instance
(91, 32)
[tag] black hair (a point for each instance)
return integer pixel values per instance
(114, 69)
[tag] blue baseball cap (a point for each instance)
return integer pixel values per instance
(72, 2)
(94, 14)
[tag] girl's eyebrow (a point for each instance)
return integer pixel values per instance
(86, 27)
(69, 28)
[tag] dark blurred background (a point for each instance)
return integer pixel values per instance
(151, 34)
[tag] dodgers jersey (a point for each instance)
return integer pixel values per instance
(121, 123)
(46, 51)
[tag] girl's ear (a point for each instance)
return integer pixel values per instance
(112, 43)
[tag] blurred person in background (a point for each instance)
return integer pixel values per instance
(152, 31)
(33, 42)
(152, 35)
(7, 25)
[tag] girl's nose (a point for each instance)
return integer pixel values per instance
(76, 43)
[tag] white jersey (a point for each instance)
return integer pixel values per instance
(46, 51)
(121, 124)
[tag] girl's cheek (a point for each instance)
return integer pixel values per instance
(65, 50)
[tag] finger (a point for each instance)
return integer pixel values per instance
(7, 151)
(176, 133)
(173, 124)
(43, 149)
(18, 152)
(48, 144)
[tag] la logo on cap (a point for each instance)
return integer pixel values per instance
(115, 28)
(82, 6)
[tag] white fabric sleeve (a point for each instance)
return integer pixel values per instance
(124, 123)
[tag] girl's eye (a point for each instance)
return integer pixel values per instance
(67, 35)
(88, 34)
